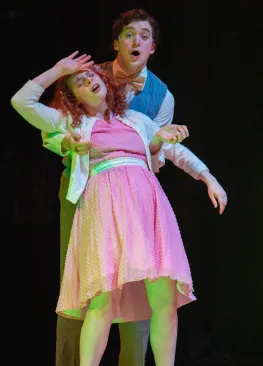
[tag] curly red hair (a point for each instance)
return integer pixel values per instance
(66, 102)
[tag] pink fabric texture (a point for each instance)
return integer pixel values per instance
(124, 231)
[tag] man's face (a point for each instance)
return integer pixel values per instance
(135, 45)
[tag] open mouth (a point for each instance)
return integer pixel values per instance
(95, 88)
(135, 54)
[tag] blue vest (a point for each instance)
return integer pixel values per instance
(150, 99)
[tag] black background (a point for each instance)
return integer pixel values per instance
(210, 57)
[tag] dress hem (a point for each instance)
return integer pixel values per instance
(186, 299)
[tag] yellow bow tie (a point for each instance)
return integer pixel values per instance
(134, 80)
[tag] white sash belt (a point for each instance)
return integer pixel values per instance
(112, 163)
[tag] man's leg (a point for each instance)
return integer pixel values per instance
(134, 338)
(68, 330)
(67, 344)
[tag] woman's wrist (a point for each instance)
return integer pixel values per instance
(65, 144)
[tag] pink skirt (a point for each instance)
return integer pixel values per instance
(124, 232)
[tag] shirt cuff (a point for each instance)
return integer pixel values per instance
(197, 168)
(54, 143)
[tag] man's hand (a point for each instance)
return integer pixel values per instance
(215, 191)
(71, 143)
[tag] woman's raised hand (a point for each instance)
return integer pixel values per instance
(71, 64)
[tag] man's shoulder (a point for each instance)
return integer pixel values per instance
(155, 78)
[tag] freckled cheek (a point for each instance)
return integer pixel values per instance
(84, 94)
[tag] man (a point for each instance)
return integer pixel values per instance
(135, 38)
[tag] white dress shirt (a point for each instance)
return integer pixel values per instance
(166, 112)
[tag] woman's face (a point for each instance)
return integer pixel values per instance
(88, 88)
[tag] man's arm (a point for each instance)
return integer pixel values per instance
(166, 113)
(184, 159)
(215, 191)
(181, 156)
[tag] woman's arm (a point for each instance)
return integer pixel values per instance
(66, 66)
(46, 119)
(25, 101)
(170, 134)
(155, 145)
(54, 142)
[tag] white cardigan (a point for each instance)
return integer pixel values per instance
(49, 120)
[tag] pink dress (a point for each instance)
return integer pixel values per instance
(124, 231)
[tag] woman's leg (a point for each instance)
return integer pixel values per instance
(163, 325)
(95, 330)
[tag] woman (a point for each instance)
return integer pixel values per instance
(125, 260)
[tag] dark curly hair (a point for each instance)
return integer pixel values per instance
(66, 102)
(135, 15)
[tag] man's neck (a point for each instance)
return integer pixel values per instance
(130, 69)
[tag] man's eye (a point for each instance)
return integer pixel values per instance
(144, 36)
